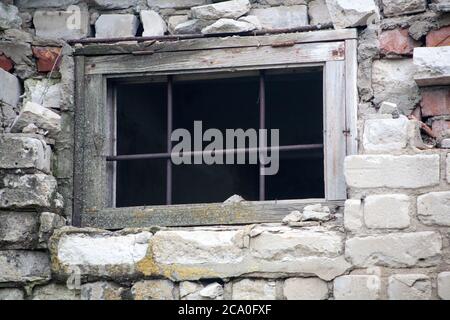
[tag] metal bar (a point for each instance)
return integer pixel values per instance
(169, 141)
(197, 36)
(216, 152)
(262, 125)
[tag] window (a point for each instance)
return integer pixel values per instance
(129, 102)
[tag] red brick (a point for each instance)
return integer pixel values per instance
(397, 42)
(435, 102)
(6, 63)
(440, 126)
(46, 57)
(439, 37)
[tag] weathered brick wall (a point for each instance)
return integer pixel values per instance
(391, 243)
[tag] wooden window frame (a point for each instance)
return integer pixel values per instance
(97, 65)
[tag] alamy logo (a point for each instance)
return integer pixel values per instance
(238, 146)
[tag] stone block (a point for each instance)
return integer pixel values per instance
(18, 230)
(10, 85)
(353, 215)
(114, 4)
(192, 26)
(409, 287)
(389, 171)
(176, 4)
(153, 290)
(196, 291)
(101, 290)
(27, 191)
(19, 266)
(431, 63)
(439, 37)
(443, 285)
(281, 17)
(41, 117)
(434, 208)
(116, 26)
(250, 289)
(385, 135)
(402, 7)
(45, 92)
(33, 4)
(305, 289)
(153, 23)
(11, 294)
(228, 9)
(350, 13)
(70, 24)
(357, 287)
(318, 12)
(389, 211)
(435, 101)
(397, 250)
(393, 81)
(48, 222)
(397, 42)
(173, 21)
(9, 17)
(54, 292)
(228, 26)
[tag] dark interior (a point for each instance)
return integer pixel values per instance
(293, 105)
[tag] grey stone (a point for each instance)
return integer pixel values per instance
(357, 287)
(11, 294)
(62, 24)
(395, 249)
(305, 289)
(282, 17)
(153, 290)
(228, 26)
(101, 290)
(445, 143)
(431, 62)
(19, 151)
(434, 208)
(385, 135)
(388, 108)
(54, 292)
(27, 191)
(402, 7)
(43, 118)
(228, 9)
(19, 266)
(177, 4)
(45, 92)
(387, 211)
(318, 12)
(48, 223)
(191, 26)
(377, 171)
(252, 20)
(9, 17)
(116, 25)
(18, 230)
(409, 287)
(196, 291)
(33, 4)
(173, 21)
(22, 56)
(443, 285)
(114, 4)
(353, 215)
(249, 289)
(10, 85)
(153, 24)
(393, 80)
(350, 13)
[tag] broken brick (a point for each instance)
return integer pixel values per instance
(6, 63)
(46, 58)
(439, 37)
(435, 102)
(440, 127)
(397, 42)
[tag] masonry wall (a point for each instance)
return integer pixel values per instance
(391, 242)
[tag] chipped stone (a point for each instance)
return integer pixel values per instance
(357, 287)
(42, 117)
(9, 17)
(191, 26)
(173, 21)
(350, 13)
(116, 26)
(228, 26)
(434, 208)
(305, 289)
(402, 7)
(19, 266)
(46, 92)
(431, 62)
(10, 85)
(48, 223)
(153, 24)
(228, 9)
(409, 287)
(252, 20)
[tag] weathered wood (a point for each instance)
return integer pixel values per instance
(334, 124)
(351, 96)
(245, 212)
(236, 58)
(216, 43)
(426, 81)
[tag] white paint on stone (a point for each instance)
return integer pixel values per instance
(409, 287)
(350, 13)
(305, 289)
(385, 135)
(228, 26)
(402, 7)
(154, 24)
(83, 249)
(40, 116)
(228, 9)
(357, 287)
(395, 249)
(62, 24)
(282, 16)
(389, 171)
(434, 208)
(116, 25)
(10, 85)
(443, 285)
(389, 211)
(353, 215)
(250, 289)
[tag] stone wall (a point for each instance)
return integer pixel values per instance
(392, 242)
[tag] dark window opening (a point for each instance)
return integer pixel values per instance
(147, 113)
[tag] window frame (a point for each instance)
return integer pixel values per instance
(97, 65)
